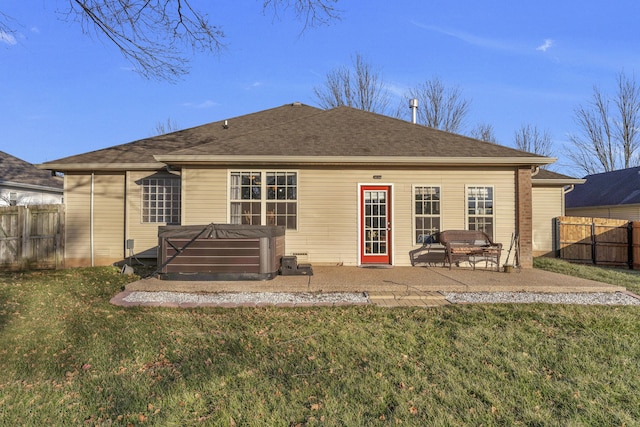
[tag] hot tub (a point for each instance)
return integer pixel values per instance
(220, 252)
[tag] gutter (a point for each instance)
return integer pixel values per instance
(91, 209)
(19, 185)
(563, 182)
(350, 160)
(63, 167)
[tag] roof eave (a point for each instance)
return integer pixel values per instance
(350, 160)
(619, 205)
(568, 181)
(99, 166)
(31, 186)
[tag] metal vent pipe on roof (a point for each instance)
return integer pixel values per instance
(413, 104)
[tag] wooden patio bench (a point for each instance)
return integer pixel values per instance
(469, 246)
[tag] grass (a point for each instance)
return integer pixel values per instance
(614, 276)
(68, 357)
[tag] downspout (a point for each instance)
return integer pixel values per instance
(566, 190)
(127, 176)
(91, 219)
(535, 171)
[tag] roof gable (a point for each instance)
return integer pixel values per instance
(620, 187)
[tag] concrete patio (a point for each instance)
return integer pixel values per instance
(395, 286)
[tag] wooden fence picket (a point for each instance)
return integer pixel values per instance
(600, 241)
(32, 237)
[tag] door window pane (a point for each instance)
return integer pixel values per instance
(375, 239)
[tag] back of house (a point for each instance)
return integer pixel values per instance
(350, 187)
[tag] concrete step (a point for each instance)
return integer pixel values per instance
(404, 299)
(405, 295)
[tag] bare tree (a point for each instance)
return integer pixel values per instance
(360, 87)
(154, 35)
(608, 138)
(626, 129)
(312, 12)
(530, 139)
(165, 127)
(484, 132)
(19, 199)
(440, 107)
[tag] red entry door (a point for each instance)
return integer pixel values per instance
(375, 224)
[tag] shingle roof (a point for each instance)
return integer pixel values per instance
(15, 170)
(545, 175)
(620, 187)
(346, 131)
(297, 129)
(142, 151)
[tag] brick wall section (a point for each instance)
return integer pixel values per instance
(524, 216)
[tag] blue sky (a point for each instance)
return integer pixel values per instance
(518, 62)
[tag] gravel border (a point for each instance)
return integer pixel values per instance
(591, 298)
(247, 298)
(342, 298)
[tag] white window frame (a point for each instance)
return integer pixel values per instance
(167, 199)
(266, 217)
(480, 213)
(414, 214)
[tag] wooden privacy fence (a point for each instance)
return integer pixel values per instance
(600, 241)
(32, 237)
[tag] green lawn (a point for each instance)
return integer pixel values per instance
(68, 357)
(622, 277)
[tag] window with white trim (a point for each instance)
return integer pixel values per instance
(480, 212)
(426, 210)
(264, 198)
(161, 199)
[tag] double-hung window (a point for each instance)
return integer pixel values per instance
(264, 198)
(161, 200)
(426, 213)
(480, 212)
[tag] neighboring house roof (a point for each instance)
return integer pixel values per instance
(547, 177)
(18, 173)
(620, 187)
(301, 134)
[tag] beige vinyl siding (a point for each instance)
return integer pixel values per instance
(548, 203)
(108, 224)
(77, 202)
(328, 206)
(204, 196)
(628, 212)
(108, 218)
(327, 209)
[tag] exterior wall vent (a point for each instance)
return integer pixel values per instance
(302, 256)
